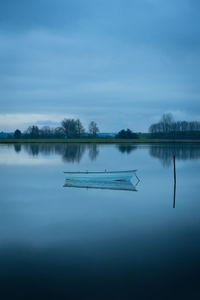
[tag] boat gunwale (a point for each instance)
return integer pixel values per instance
(104, 172)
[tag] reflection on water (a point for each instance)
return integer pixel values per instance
(126, 148)
(17, 147)
(74, 152)
(174, 199)
(71, 243)
(165, 152)
(93, 151)
(69, 152)
(117, 186)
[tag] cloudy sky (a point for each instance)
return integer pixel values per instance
(122, 63)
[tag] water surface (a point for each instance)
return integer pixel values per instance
(70, 243)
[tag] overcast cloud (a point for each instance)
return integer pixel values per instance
(122, 63)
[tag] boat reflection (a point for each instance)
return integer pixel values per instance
(121, 186)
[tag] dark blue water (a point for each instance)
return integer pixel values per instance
(70, 243)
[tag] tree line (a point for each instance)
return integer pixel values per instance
(167, 124)
(70, 128)
(168, 128)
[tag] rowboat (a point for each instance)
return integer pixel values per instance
(111, 176)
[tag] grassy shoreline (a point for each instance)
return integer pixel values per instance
(98, 141)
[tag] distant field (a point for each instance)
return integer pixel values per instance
(98, 140)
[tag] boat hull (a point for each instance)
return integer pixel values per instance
(98, 176)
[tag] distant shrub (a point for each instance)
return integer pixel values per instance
(17, 134)
(127, 134)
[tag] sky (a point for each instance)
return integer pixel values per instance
(121, 63)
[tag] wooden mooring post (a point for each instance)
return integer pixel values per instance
(174, 181)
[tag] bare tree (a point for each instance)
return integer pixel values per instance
(166, 122)
(93, 128)
(32, 132)
(59, 132)
(80, 128)
(46, 132)
(73, 128)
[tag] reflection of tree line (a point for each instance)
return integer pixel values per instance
(69, 152)
(74, 152)
(126, 148)
(181, 151)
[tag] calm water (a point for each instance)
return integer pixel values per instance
(70, 243)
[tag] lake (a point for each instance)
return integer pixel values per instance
(61, 242)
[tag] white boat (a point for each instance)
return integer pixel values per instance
(112, 176)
